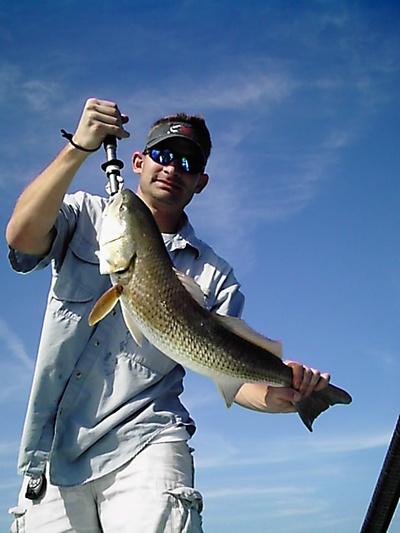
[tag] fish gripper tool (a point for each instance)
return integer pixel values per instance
(112, 166)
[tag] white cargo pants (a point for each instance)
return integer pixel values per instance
(153, 493)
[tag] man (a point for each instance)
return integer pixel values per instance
(104, 446)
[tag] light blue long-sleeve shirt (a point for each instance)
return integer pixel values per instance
(98, 398)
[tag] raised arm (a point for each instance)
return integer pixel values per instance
(30, 227)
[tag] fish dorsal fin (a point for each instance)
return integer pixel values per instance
(105, 304)
(228, 387)
(240, 328)
(192, 287)
(134, 329)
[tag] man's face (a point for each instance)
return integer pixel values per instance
(168, 186)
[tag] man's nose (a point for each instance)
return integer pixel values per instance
(173, 167)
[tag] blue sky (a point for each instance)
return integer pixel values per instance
(302, 99)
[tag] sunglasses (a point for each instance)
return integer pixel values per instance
(190, 164)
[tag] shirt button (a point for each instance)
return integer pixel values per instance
(96, 343)
(78, 376)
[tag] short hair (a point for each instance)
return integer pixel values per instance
(197, 122)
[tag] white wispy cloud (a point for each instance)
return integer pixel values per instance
(14, 345)
(15, 364)
(246, 90)
(239, 97)
(351, 443)
(225, 454)
(19, 87)
(239, 105)
(264, 500)
(251, 491)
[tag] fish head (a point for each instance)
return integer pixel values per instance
(117, 246)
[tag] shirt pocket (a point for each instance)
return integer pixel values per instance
(78, 283)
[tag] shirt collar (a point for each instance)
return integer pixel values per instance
(184, 237)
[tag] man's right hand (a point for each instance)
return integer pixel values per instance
(30, 229)
(99, 119)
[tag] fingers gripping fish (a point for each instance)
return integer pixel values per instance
(167, 308)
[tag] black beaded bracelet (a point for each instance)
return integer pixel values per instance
(69, 137)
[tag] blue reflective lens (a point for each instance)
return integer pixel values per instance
(165, 157)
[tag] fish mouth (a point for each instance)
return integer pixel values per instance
(109, 241)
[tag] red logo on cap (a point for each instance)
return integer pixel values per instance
(180, 128)
(186, 130)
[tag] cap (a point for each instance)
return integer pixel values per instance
(168, 130)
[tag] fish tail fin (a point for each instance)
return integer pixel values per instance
(319, 401)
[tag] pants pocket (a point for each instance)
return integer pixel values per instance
(188, 506)
(18, 525)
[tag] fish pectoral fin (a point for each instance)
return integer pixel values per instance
(192, 287)
(228, 387)
(134, 329)
(105, 304)
(240, 328)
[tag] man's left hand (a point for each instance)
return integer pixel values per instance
(269, 399)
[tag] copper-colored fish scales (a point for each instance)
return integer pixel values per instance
(157, 303)
(178, 324)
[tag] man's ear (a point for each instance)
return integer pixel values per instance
(202, 183)
(137, 162)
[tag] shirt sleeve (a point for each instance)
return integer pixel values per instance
(63, 230)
